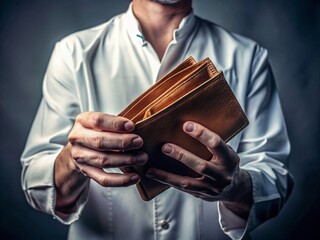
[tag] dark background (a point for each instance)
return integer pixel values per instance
(289, 29)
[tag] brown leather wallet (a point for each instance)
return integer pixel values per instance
(190, 92)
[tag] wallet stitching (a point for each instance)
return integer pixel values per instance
(245, 121)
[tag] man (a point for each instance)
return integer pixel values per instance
(77, 142)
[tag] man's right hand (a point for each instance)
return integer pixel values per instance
(96, 141)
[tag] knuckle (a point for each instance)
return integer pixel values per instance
(72, 137)
(75, 154)
(184, 184)
(103, 160)
(116, 124)
(180, 156)
(199, 132)
(130, 160)
(214, 142)
(126, 160)
(96, 119)
(79, 118)
(75, 134)
(97, 142)
(203, 167)
(124, 143)
(104, 181)
(163, 178)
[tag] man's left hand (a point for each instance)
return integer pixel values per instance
(221, 171)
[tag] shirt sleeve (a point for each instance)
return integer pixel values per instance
(263, 151)
(49, 133)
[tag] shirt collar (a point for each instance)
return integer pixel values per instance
(133, 26)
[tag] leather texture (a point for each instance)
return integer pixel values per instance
(190, 92)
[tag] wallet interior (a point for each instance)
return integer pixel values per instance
(187, 76)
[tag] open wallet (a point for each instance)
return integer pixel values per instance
(191, 92)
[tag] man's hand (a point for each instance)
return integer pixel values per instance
(96, 141)
(221, 179)
(101, 141)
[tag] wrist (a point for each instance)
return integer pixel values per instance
(65, 168)
(69, 181)
(238, 196)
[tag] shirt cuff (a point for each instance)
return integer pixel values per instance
(232, 225)
(266, 204)
(81, 202)
(40, 188)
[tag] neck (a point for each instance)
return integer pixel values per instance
(158, 21)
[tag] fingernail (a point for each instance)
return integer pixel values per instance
(137, 142)
(129, 126)
(167, 149)
(134, 178)
(189, 127)
(142, 158)
(150, 173)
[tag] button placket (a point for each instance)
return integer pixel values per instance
(156, 219)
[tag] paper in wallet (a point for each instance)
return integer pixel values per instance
(190, 92)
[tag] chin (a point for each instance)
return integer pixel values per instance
(167, 2)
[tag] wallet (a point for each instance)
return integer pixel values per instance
(193, 91)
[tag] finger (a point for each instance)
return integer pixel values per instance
(107, 159)
(221, 153)
(105, 122)
(183, 183)
(201, 166)
(204, 135)
(105, 141)
(109, 179)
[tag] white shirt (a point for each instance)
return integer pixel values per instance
(104, 69)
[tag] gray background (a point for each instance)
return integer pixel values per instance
(289, 29)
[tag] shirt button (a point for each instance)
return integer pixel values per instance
(164, 224)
